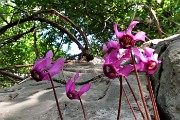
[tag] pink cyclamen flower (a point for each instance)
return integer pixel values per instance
(150, 61)
(126, 38)
(112, 45)
(112, 65)
(71, 86)
(44, 66)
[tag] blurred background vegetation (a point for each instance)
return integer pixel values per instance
(29, 28)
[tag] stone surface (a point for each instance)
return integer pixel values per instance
(167, 78)
(155, 43)
(32, 100)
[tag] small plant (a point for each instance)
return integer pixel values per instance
(124, 50)
(44, 69)
(73, 94)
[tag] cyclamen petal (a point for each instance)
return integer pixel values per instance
(140, 36)
(38, 61)
(112, 56)
(125, 71)
(84, 89)
(148, 51)
(131, 26)
(42, 64)
(140, 66)
(136, 51)
(140, 56)
(76, 76)
(105, 48)
(56, 67)
(113, 44)
(118, 34)
(49, 54)
(72, 87)
(68, 84)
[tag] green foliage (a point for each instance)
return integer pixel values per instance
(95, 17)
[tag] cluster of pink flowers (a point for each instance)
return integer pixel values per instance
(44, 66)
(122, 50)
(70, 88)
(117, 53)
(45, 69)
(122, 57)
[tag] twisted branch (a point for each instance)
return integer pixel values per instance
(62, 17)
(14, 38)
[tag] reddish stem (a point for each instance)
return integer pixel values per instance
(140, 88)
(156, 114)
(120, 98)
(57, 104)
(129, 104)
(82, 108)
(135, 99)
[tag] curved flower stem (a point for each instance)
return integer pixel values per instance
(57, 104)
(140, 88)
(120, 98)
(135, 99)
(156, 114)
(129, 104)
(82, 108)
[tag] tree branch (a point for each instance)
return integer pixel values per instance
(11, 75)
(36, 16)
(52, 11)
(15, 66)
(156, 20)
(14, 38)
(62, 17)
(59, 45)
(35, 45)
(56, 25)
(4, 19)
(73, 24)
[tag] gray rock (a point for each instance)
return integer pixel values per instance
(167, 78)
(32, 100)
(155, 43)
